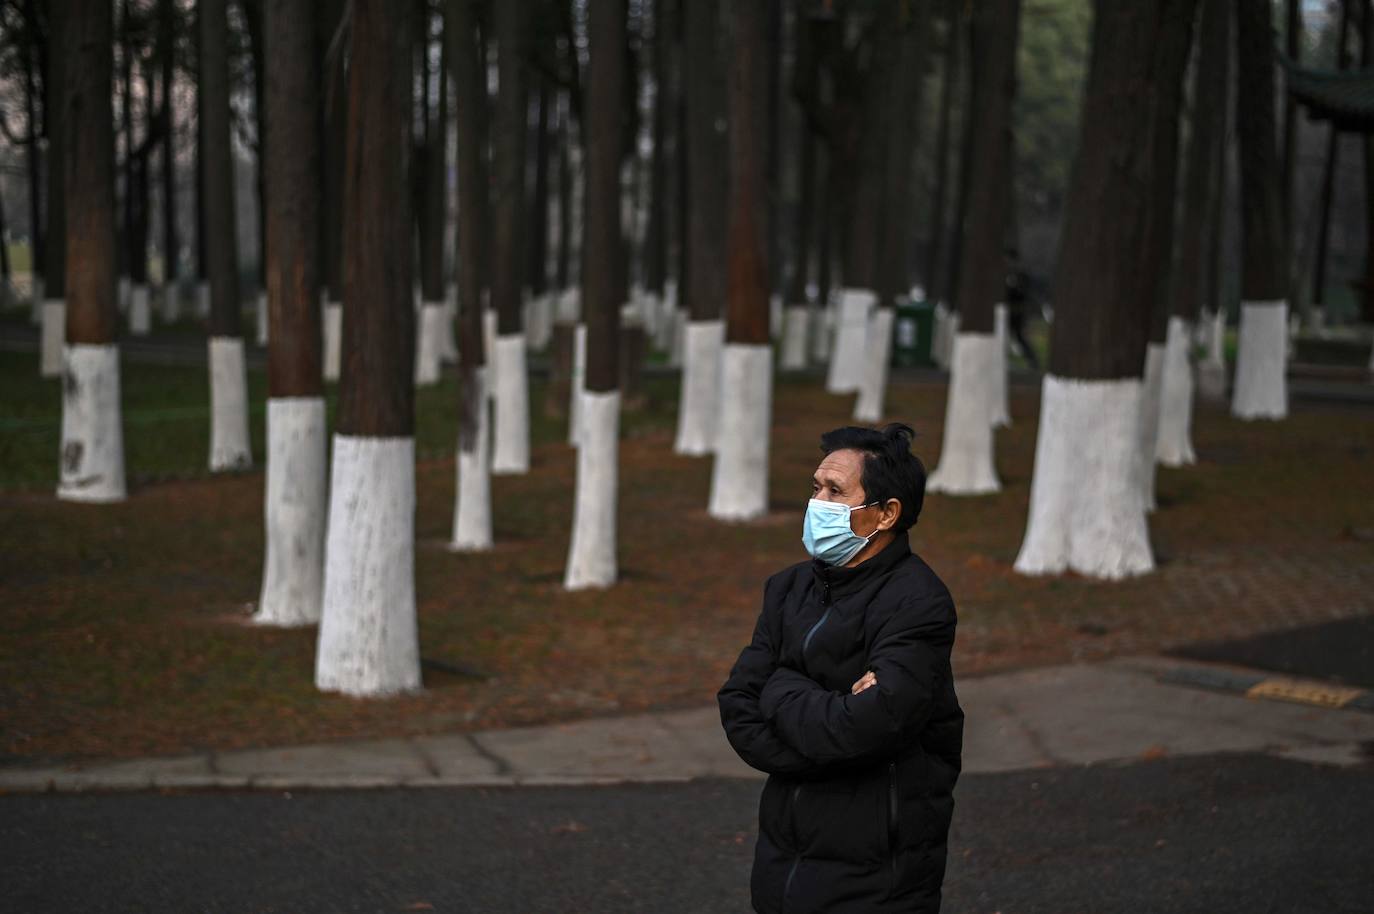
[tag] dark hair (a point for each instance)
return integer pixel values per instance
(890, 470)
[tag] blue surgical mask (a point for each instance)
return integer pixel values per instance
(827, 534)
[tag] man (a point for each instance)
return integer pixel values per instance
(845, 697)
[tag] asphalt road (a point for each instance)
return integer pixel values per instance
(1341, 652)
(1213, 834)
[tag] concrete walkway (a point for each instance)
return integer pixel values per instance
(1122, 710)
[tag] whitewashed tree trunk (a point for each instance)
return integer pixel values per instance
(512, 422)
(1151, 389)
(940, 343)
(294, 508)
(699, 403)
(429, 341)
(229, 443)
(677, 345)
(775, 316)
(333, 339)
(1261, 390)
(1000, 407)
(966, 464)
(868, 406)
(203, 299)
(448, 342)
(122, 294)
(569, 307)
(795, 319)
(1175, 445)
(592, 553)
(540, 325)
(851, 333)
(52, 338)
(140, 310)
(260, 314)
(489, 344)
(739, 475)
(1085, 510)
(368, 642)
(92, 455)
(577, 383)
(472, 531)
(171, 302)
(36, 290)
(1211, 376)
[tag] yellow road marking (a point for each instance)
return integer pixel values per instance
(1307, 693)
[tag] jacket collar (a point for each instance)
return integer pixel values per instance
(847, 580)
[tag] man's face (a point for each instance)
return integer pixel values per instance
(837, 478)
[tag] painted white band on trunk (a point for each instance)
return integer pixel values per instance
(868, 406)
(429, 342)
(203, 299)
(36, 289)
(940, 341)
(1174, 447)
(822, 326)
(1151, 385)
(53, 336)
(569, 308)
(1000, 411)
(966, 464)
(472, 499)
(851, 335)
(794, 321)
(592, 552)
(489, 319)
(739, 475)
(140, 310)
(333, 339)
(699, 403)
(229, 443)
(577, 383)
(122, 293)
(1085, 510)
(540, 322)
(92, 455)
(448, 348)
(368, 643)
(294, 512)
(1261, 390)
(512, 422)
(677, 342)
(171, 302)
(775, 315)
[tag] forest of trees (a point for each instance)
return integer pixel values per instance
(487, 184)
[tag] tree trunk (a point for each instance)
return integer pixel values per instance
(563, 267)
(55, 126)
(1367, 286)
(966, 456)
(229, 444)
(936, 278)
(1329, 173)
(1293, 47)
(656, 233)
(92, 456)
(797, 316)
(472, 505)
(706, 226)
(368, 643)
(1202, 186)
(431, 210)
(171, 240)
(512, 424)
(292, 582)
(334, 103)
(539, 202)
(1086, 513)
(739, 479)
(31, 104)
(592, 554)
(1261, 355)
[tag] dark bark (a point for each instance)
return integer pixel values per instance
(773, 44)
(166, 38)
(565, 197)
(955, 249)
(1101, 304)
(376, 389)
(936, 271)
(539, 203)
(508, 165)
(292, 199)
(603, 239)
(462, 37)
(36, 227)
(656, 233)
(982, 272)
(706, 156)
(680, 151)
(1263, 273)
(1367, 286)
(123, 251)
(1174, 41)
(334, 104)
(747, 296)
(433, 210)
(1293, 47)
(1329, 170)
(85, 33)
(806, 217)
(898, 199)
(825, 219)
(253, 18)
(55, 126)
(1202, 182)
(862, 147)
(217, 163)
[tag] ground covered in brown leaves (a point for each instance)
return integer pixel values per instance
(125, 627)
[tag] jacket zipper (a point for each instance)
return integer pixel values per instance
(796, 795)
(825, 601)
(892, 823)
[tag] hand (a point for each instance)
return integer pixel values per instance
(866, 681)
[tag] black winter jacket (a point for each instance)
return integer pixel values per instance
(855, 813)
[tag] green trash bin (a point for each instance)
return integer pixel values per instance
(913, 327)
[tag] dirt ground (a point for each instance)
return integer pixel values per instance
(126, 629)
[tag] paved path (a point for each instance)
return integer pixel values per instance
(1122, 710)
